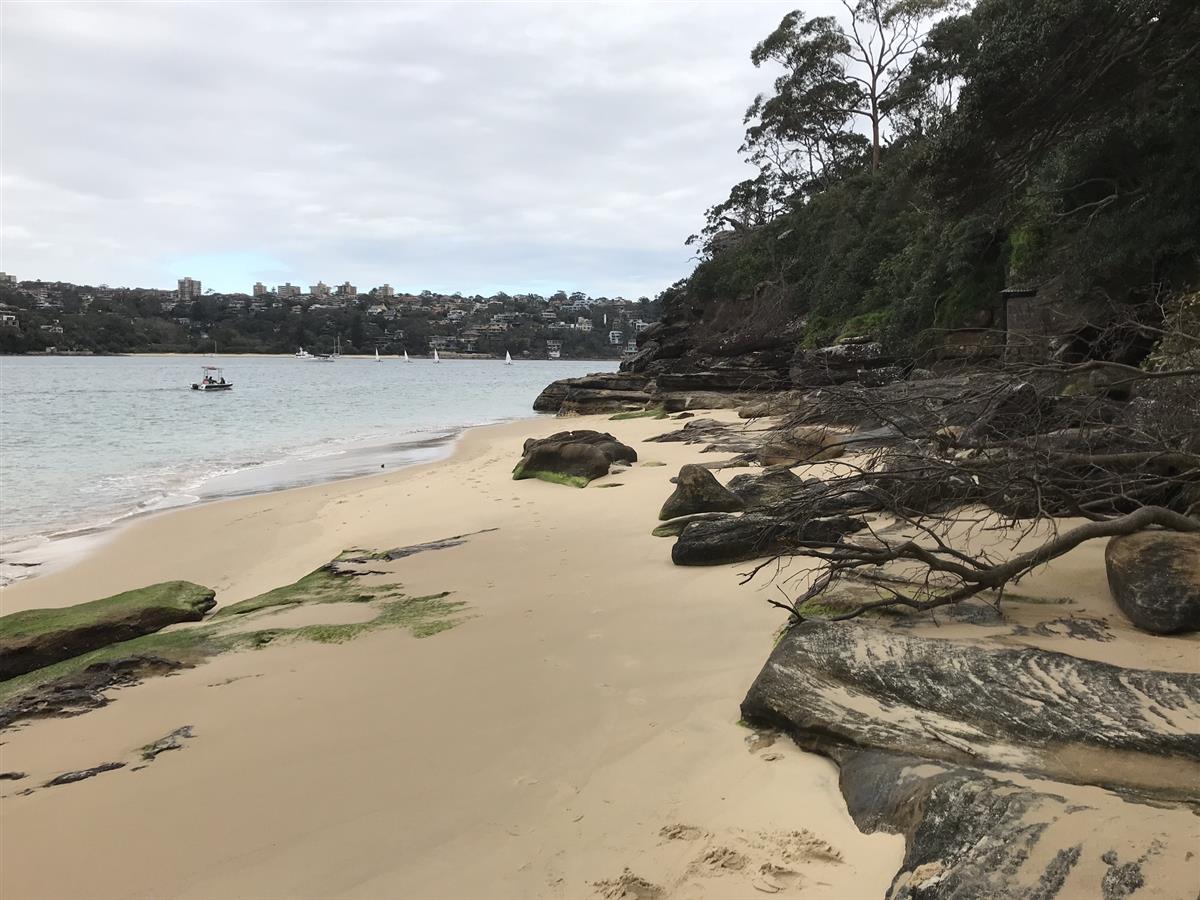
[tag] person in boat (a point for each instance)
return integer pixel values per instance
(222, 379)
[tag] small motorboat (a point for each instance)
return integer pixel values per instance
(303, 354)
(212, 378)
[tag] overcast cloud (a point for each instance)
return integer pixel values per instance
(473, 147)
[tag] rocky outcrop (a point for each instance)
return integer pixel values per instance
(683, 401)
(572, 457)
(1154, 577)
(735, 380)
(751, 536)
(800, 444)
(783, 403)
(850, 360)
(773, 486)
(717, 437)
(599, 393)
(697, 490)
(971, 835)
(41, 637)
(76, 694)
(849, 684)
(83, 774)
(674, 527)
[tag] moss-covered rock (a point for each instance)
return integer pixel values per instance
(572, 457)
(36, 638)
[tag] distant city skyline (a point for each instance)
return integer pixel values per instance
(452, 147)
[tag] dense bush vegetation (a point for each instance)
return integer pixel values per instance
(1023, 142)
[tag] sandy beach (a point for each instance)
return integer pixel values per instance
(576, 733)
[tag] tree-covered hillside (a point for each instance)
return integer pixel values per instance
(1045, 143)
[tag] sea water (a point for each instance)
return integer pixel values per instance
(88, 441)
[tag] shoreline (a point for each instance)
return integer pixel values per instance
(90, 540)
(578, 726)
(40, 553)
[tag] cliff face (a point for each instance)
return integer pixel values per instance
(721, 354)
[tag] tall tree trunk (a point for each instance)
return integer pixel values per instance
(874, 134)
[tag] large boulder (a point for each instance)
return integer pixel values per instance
(774, 485)
(41, 637)
(972, 834)
(572, 457)
(697, 490)
(801, 444)
(839, 684)
(1154, 577)
(753, 535)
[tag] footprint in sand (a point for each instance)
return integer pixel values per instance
(628, 887)
(769, 861)
(771, 879)
(681, 832)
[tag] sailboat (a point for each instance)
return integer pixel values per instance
(435, 356)
(377, 355)
(507, 358)
(406, 359)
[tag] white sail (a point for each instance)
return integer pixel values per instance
(376, 354)
(507, 358)
(406, 359)
(435, 356)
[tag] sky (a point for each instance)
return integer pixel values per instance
(469, 147)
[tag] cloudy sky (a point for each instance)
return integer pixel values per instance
(473, 146)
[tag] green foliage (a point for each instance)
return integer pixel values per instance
(1015, 157)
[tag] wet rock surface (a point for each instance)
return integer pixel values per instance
(1154, 577)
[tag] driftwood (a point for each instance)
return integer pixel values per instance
(1000, 457)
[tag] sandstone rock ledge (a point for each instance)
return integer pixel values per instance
(1012, 772)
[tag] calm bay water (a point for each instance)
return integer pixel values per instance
(85, 441)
